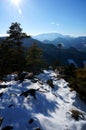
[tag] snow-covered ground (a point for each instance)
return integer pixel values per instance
(49, 109)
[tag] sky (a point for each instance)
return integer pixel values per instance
(44, 16)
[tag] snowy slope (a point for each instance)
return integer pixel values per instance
(48, 36)
(49, 109)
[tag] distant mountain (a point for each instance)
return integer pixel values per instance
(51, 52)
(27, 42)
(67, 41)
(49, 36)
(79, 42)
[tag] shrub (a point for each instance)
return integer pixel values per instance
(70, 70)
(77, 80)
(77, 114)
(81, 82)
(34, 58)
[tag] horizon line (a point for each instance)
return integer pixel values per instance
(28, 34)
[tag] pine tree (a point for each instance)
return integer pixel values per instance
(34, 58)
(12, 56)
(15, 36)
(59, 53)
(15, 31)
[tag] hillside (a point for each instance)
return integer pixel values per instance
(67, 41)
(50, 52)
(48, 108)
(49, 36)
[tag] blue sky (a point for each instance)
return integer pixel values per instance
(44, 16)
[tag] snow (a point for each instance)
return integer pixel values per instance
(50, 110)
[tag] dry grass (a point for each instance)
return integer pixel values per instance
(81, 73)
(77, 114)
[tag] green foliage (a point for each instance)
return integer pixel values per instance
(12, 56)
(34, 58)
(15, 31)
(55, 64)
(77, 80)
(28, 36)
(59, 46)
(70, 70)
(81, 82)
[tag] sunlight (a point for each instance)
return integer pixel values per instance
(15, 2)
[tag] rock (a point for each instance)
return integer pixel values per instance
(7, 128)
(29, 76)
(11, 105)
(25, 75)
(21, 76)
(1, 94)
(3, 86)
(77, 115)
(50, 83)
(31, 121)
(30, 91)
(41, 82)
(34, 80)
(38, 128)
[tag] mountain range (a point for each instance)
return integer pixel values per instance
(51, 52)
(67, 41)
(73, 49)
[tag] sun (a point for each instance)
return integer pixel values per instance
(15, 2)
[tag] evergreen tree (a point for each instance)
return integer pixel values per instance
(12, 56)
(15, 36)
(15, 32)
(59, 53)
(34, 58)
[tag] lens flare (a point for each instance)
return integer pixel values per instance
(15, 2)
